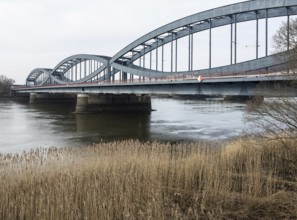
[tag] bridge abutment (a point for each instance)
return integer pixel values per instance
(112, 103)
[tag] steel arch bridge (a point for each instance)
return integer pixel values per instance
(144, 58)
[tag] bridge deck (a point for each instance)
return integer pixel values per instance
(229, 85)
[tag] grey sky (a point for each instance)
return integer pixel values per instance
(40, 33)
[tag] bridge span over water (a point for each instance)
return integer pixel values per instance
(139, 68)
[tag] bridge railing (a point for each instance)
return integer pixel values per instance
(179, 78)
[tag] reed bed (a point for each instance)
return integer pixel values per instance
(135, 180)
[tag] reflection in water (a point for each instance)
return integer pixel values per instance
(84, 129)
(25, 126)
(114, 126)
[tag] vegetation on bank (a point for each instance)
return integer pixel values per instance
(5, 84)
(134, 180)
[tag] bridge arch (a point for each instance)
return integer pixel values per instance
(80, 68)
(38, 76)
(226, 15)
(124, 62)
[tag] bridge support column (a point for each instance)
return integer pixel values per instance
(33, 97)
(81, 103)
(113, 103)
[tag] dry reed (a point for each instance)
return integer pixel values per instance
(134, 180)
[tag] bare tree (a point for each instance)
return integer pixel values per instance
(5, 84)
(276, 118)
(273, 119)
(285, 40)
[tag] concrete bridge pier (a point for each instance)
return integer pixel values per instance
(112, 103)
(32, 98)
(81, 103)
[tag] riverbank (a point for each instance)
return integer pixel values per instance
(134, 180)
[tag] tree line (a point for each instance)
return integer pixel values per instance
(274, 120)
(5, 85)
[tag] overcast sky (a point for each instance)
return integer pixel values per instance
(40, 33)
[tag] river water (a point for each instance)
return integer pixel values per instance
(24, 126)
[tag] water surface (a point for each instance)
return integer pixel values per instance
(24, 126)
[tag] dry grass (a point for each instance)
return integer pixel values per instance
(133, 180)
